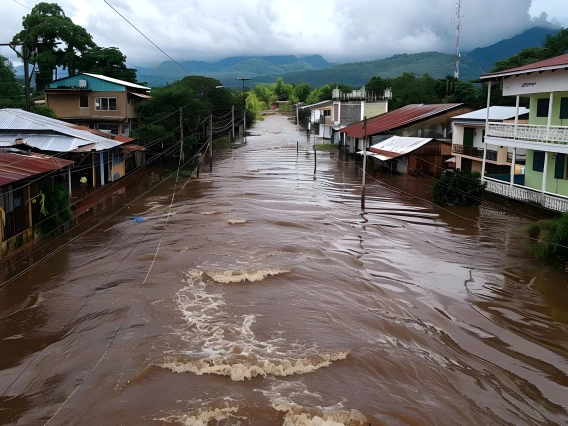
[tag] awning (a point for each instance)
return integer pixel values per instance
(377, 156)
(140, 95)
(133, 148)
(451, 160)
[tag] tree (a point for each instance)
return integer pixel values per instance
(301, 92)
(282, 90)
(43, 110)
(11, 93)
(63, 43)
(108, 61)
(265, 93)
(459, 188)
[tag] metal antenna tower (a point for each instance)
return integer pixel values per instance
(458, 32)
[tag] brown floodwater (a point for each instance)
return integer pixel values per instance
(274, 301)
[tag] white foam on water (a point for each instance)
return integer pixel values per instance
(236, 221)
(214, 212)
(224, 344)
(241, 369)
(296, 415)
(226, 277)
(201, 417)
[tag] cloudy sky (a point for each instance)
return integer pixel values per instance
(340, 30)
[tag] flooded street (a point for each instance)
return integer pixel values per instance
(274, 301)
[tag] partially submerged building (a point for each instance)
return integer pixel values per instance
(96, 101)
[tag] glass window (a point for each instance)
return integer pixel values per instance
(538, 161)
(542, 107)
(112, 104)
(84, 102)
(105, 104)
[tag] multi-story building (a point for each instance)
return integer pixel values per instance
(545, 137)
(468, 137)
(96, 101)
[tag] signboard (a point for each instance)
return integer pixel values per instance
(535, 82)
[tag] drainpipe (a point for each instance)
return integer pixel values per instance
(486, 131)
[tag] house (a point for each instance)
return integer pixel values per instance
(544, 138)
(468, 142)
(21, 175)
(96, 101)
(101, 157)
(417, 120)
(345, 108)
(410, 155)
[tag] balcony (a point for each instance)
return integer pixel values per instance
(549, 201)
(519, 159)
(472, 151)
(529, 133)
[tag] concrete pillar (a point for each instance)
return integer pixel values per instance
(29, 202)
(486, 131)
(513, 165)
(94, 171)
(549, 122)
(517, 116)
(102, 166)
(544, 173)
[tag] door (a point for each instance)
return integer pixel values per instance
(466, 164)
(468, 136)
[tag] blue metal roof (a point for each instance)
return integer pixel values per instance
(96, 83)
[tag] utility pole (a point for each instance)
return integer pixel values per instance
(211, 143)
(181, 133)
(243, 79)
(364, 164)
(233, 123)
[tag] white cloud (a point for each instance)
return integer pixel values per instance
(340, 30)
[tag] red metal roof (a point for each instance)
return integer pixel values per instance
(15, 167)
(552, 63)
(395, 119)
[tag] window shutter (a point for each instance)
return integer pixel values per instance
(559, 166)
(563, 108)
(542, 107)
(538, 161)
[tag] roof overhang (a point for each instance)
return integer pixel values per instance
(377, 156)
(498, 75)
(140, 95)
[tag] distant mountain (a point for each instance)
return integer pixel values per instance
(437, 65)
(230, 68)
(504, 49)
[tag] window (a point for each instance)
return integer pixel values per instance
(84, 102)
(105, 104)
(538, 161)
(560, 167)
(563, 108)
(542, 107)
(107, 128)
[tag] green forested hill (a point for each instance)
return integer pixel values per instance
(436, 64)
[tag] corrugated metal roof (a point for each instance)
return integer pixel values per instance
(15, 167)
(398, 146)
(50, 134)
(548, 64)
(318, 104)
(496, 113)
(116, 81)
(397, 118)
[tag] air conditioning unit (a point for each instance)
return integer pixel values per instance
(83, 84)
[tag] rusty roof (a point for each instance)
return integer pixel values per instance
(15, 167)
(546, 65)
(397, 118)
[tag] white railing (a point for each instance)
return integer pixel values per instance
(529, 132)
(548, 200)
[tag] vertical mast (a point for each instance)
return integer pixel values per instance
(458, 31)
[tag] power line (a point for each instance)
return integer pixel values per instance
(21, 4)
(143, 35)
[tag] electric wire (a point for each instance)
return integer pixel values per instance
(143, 35)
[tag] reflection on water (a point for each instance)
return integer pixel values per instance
(274, 300)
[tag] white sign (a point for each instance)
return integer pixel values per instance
(546, 82)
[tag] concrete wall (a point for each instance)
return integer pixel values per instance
(66, 104)
(543, 121)
(373, 109)
(534, 179)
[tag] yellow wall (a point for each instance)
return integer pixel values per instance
(543, 121)
(66, 104)
(534, 179)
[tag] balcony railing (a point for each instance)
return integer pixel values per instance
(472, 151)
(529, 132)
(83, 111)
(550, 201)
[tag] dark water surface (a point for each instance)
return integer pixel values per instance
(273, 301)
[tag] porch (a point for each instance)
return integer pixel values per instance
(547, 200)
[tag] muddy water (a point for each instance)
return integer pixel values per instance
(273, 301)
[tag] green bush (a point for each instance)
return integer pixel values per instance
(326, 147)
(459, 188)
(550, 239)
(57, 207)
